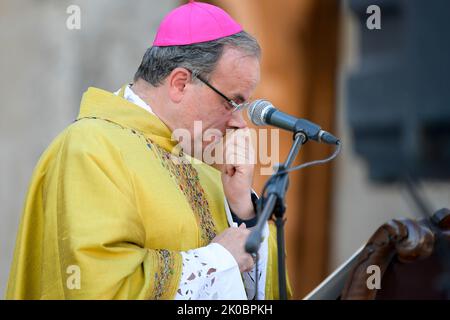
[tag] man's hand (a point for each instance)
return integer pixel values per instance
(237, 172)
(233, 239)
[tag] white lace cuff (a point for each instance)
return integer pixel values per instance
(210, 272)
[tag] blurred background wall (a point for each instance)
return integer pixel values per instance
(309, 46)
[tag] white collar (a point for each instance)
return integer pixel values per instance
(132, 97)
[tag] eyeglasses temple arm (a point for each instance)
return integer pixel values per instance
(216, 91)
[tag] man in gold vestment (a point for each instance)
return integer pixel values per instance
(118, 209)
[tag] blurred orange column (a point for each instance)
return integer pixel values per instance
(299, 43)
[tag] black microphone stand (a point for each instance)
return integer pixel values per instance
(274, 204)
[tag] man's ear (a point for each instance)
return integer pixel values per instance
(177, 81)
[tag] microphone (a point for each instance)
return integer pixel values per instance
(262, 112)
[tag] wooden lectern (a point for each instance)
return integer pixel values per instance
(413, 258)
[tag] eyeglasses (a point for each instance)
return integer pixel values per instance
(233, 106)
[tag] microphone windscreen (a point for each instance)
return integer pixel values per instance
(256, 111)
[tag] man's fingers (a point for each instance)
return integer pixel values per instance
(237, 159)
(238, 138)
(239, 155)
(251, 263)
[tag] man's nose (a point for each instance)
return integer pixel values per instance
(237, 120)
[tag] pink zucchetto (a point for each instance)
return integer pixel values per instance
(195, 22)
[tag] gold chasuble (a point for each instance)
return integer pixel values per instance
(108, 210)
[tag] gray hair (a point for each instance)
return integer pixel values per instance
(200, 58)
